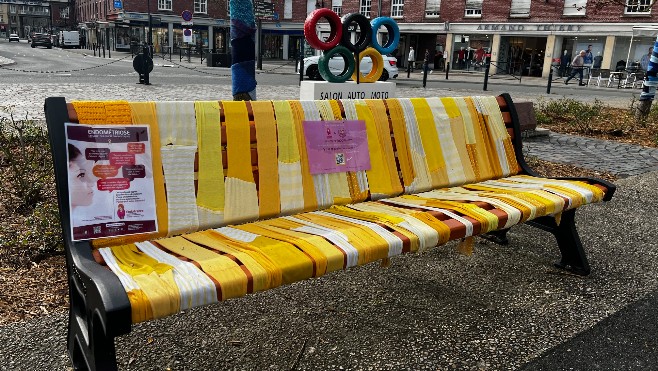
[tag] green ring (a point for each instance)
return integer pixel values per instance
(323, 64)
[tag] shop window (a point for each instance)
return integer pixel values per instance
(473, 9)
(574, 7)
(397, 8)
(287, 9)
(337, 6)
(520, 9)
(432, 8)
(364, 8)
(638, 6)
(164, 4)
(201, 6)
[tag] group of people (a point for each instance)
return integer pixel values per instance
(586, 58)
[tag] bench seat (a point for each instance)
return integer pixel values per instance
(238, 210)
(228, 262)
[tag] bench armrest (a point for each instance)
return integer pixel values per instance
(95, 291)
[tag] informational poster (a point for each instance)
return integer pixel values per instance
(336, 146)
(110, 179)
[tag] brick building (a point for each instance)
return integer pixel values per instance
(520, 36)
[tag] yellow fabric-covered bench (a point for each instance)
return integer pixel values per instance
(238, 210)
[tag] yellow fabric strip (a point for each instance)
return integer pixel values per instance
(430, 140)
(269, 201)
(459, 135)
(294, 264)
(241, 196)
(264, 272)
(103, 112)
(335, 257)
(401, 142)
(155, 279)
(222, 269)
(304, 242)
(310, 199)
(210, 186)
(385, 144)
(379, 179)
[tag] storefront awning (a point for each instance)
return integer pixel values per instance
(645, 31)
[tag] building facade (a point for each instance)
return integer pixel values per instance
(521, 37)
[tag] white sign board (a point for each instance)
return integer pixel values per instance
(322, 90)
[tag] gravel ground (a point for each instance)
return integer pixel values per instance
(496, 310)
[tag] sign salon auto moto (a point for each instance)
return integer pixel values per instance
(529, 27)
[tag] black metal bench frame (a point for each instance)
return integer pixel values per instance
(99, 308)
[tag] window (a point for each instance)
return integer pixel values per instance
(310, 6)
(638, 7)
(337, 6)
(164, 4)
(200, 6)
(397, 8)
(432, 8)
(287, 9)
(1, 19)
(574, 7)
(520, 9)
(473, 9)
(365, 8)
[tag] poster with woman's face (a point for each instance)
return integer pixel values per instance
(110, 181)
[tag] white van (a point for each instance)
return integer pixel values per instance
(69, 39)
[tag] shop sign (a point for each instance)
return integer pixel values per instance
(529, 27)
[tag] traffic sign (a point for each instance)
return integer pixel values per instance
(187, 15)
(118, 4)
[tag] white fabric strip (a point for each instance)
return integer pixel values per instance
(178, 166)
(177, 123)
(454, 167)
(349, 106)
(241, 202)
(126, 279)
(290, 187)
(394, 242)
(465, 222)
(423, 181)
(195, 287)
(237, 234)
(350, 251)
(489, 107)
(320, 181)
(427, 236)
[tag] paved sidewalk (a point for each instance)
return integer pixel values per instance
(5, 61)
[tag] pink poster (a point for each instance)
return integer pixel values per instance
(336, 146)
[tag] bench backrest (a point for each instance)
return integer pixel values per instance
(229, 162)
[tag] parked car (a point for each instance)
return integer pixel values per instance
(42, 40)
(337, 64)
(14, 37)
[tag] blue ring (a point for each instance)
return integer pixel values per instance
(393, 34)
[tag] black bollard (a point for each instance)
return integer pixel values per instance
(409, 69)
(301, 69)
(425, 69)
(147, 53)
(447, 69)
(550, 81)
(486, 77)
(358, 62)
(94, 46)
(189, 54)
(99, 52)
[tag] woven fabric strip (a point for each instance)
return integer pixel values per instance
(291, 189)
(210, 184)
(269, 202)
(178, 166)
(177, 123)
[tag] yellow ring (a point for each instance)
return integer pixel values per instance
(377, 66)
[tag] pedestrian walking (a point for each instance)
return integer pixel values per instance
(577, 68)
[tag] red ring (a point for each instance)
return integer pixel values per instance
(334, 25)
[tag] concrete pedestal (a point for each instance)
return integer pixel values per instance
(322, 90)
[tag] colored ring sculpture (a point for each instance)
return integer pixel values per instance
(335, 26)
(393, 34)
(365, 36)
(323, 64)
(377, 66)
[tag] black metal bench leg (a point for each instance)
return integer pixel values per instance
(89, 346)
(499, 237)
(573, 255)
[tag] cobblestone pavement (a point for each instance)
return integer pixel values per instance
(614, 157)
